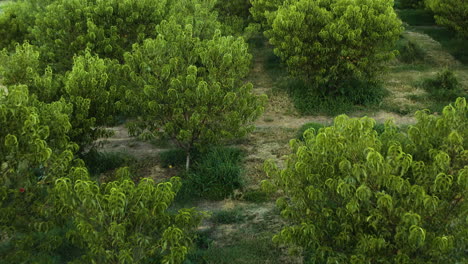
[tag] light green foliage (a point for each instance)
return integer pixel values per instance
(352, 196)
(451, 13)
(32, 135)
(331, 42)
(24, 67)
(124, 222)
(191, 87)
(198, 13)
(93, 86)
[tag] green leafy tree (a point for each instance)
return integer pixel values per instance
(331, 42)
(198, 13)
(34, 151)
(263, 10)
(107, 28)
(190, 88)
(451, 13)
(16, 18)
(24, 67)
(93, 87)
(234, 16)
(124, 222)
(352, 196)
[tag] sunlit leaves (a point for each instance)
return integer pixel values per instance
(124, 222)
(394, 198)
(192, 87)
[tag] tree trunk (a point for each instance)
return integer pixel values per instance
(187, 161)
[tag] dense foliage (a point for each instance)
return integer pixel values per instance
(451, 13)
(409, 3)
(331, 42)
(47, 208)
(190, 89)
(124, 222)
(73, 67)
(352, 196)
(263, 10)
(34, 151)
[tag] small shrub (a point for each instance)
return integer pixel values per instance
(303, 128)
(228, 216)
(172, 157)
(99, 162)
(308, 98)
(215, 174)
(444, 86)
(256, 196)
(410, 52)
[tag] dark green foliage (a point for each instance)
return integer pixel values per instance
(308, 99)
(16, 20)
(67, 28)
(416, 17)
(234, 15)
(379, 127)
(255, 249)
(99, 162)
(410, 52)
(256, 196)
(215, 174)
(452, 14)
(303, 128)
(403, 4)
(232, 216)
(335, 42)
(444, 85)
(172, 157)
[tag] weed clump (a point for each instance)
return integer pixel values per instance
(226, 217)
(99, 162)
(445, 85)
(410, 52)
(172, 158)
(215, 174)
(256, 196)
(310, 98)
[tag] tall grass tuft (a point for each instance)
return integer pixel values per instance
(214, 175)
(444, 86)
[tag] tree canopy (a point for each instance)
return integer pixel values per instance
(352, 196)
(190, 88)
(331, 42)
